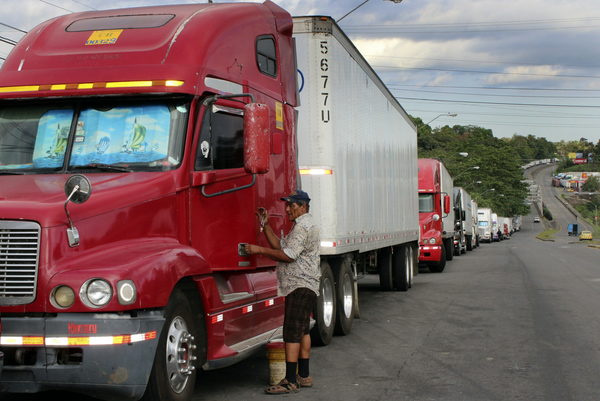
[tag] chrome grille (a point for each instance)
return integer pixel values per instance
(19, 253)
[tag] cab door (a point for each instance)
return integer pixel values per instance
(222, 210)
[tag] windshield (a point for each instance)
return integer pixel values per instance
(425, 203)
(483, 223)
(43, 138)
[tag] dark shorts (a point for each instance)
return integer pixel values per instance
(299, 304)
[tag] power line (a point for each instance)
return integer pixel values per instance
(83, 4)
(496, 94)
(496, 88)
(500, 103)
(372, 30)
(489, 72)
(475, 61)
(12, 27)
(54, 5)
(7, 40)
(495, 23)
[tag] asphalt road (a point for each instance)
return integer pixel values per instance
(561, 215)
(515, 320)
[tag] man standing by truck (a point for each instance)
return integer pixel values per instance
(298, 275)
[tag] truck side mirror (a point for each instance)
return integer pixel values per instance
(446, 204)
(78, 190)
(257, 138)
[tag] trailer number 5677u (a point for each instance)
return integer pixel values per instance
(324, 64)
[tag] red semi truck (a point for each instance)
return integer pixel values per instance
(135, 148)
(436, 214)
(144, 282)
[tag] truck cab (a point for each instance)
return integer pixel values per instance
(436, 214)
(135, 147)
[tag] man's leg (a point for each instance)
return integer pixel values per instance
(303, 361)
(292, 352)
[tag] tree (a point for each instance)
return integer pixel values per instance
(591, 185)
(498, 161)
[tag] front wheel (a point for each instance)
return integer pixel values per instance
(173, 375)
(449, 245)
(438, 267)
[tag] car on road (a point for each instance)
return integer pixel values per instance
(585, 235)
(536, 219)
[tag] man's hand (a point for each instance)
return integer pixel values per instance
(252, 249)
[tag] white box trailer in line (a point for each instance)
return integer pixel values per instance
(484, 216)
(357, 152)
(475, 222)
(469, 225)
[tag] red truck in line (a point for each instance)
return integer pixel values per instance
(436, 214)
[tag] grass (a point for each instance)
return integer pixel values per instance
(547, 235)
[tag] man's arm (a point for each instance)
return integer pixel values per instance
(275, 254)
(273, 239)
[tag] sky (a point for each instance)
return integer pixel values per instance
(527, 67)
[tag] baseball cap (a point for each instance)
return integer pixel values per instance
(297, 196)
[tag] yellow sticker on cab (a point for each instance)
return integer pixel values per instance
(279, 115)
(106, 37)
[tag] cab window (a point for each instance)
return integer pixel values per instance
(221, 144)
(266, 55)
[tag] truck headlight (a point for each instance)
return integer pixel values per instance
(432, 241)
(126, 292)
(62, 296)
(95, 293)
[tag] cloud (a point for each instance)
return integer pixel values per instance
(525, 73)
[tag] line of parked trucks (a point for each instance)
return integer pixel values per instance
(135, 147)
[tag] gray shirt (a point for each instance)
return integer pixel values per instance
(303, 245)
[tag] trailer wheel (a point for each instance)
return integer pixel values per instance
(325, 310)
(438, 267)
(449, 245)
(344, 287)
(469, 242)
(411, 268)
(173, 375)
(385, 269)
(401, 264)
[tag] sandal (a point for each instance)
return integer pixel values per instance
(304, 381)
(284, 387)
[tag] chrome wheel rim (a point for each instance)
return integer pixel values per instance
(180, 355)
(347, 288)
(327, 295)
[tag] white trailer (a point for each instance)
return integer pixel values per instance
(469, 219)
(484, 216)
(475, 222)
(505, 226)
(357, 152)
(495, 227)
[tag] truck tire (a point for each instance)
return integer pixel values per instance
(344, 287)
(401, 264)
(449, 245)
(384, 260)
(325, 310)
(173, 375)
(413, 264)
(438, 267)
(469, 239)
